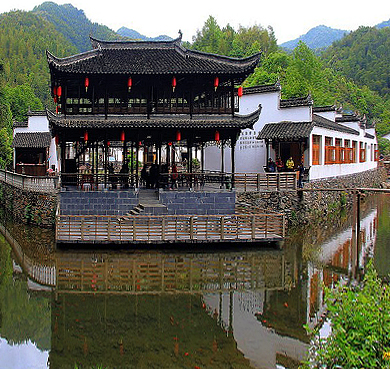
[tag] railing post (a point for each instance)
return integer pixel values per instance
(223, 227)
(253, 227)
(191, 228)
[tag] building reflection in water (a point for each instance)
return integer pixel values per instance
(185, 309)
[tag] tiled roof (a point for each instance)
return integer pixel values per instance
(155, 121)
(275, 87)
(334, 126)
(369, 135)
(32, 140)
(20, 124)
(150, 57)
(286, 131)
(319, 109)
(300, 130)
(296, 101)
(348, 118)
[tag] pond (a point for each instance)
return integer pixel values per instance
(236, 308)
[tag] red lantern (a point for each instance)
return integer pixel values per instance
(129, 83)
(85, 136)
(57, 109)
(216, 83)
(55, 90)
(108, 143)
(59, 91)
(169, 143)
(217, 136)
(178, 136)
(173, 83)
(57, 139)
(240, 91)
(86, 83)
(140, 143)
(123, 136)
(55, 98)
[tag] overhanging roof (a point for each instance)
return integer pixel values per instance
(150, 57)
(286, 131)
(177, 121)
(32, 140)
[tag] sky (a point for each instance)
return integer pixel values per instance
(289, 18)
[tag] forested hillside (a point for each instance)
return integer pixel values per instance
(24, 39)
(364, 56)
(73, 24)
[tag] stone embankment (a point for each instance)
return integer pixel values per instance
(304, 206)
(28, 206)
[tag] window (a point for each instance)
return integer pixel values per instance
(316, 149)
(329, 151)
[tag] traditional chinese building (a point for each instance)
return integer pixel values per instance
(149, 95)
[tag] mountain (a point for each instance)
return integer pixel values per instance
(24, 39)
(383, 24)
(317, 38)
(134, 35)
(73, 24)
(364, 56)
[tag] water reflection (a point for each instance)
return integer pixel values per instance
(150, 309)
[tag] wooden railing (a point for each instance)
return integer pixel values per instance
(266, 181)
(169, 228)
(30, 183)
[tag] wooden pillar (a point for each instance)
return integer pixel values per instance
(136, 162)
(233, 140)
(222, 163)
(202, 158)
(232, 95)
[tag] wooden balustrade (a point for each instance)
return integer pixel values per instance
(266, 181)
(47, 184)
(169, 228)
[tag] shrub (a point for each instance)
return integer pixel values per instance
(360, 322)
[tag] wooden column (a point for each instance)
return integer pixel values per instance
(222, 163)
(233, 140)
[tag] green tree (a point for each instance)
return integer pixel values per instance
(21, 99)
(5, 126)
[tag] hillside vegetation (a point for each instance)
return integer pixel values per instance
(73, 24)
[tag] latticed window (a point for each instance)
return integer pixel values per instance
(329, 151)
(316, 149)
(362, 153)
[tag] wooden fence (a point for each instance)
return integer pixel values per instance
(266, 181)
(169, 228)
(30, 183)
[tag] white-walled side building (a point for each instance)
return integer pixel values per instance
(34, 150)
(329, 143)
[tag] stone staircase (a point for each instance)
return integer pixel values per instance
(148, 204)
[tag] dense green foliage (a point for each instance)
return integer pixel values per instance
(73, 24)
(360, 320)
(24, 39)
(5, 126)
(363, 56)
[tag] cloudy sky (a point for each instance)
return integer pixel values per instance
(289, 18)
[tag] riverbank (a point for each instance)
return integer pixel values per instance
(313, 203)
